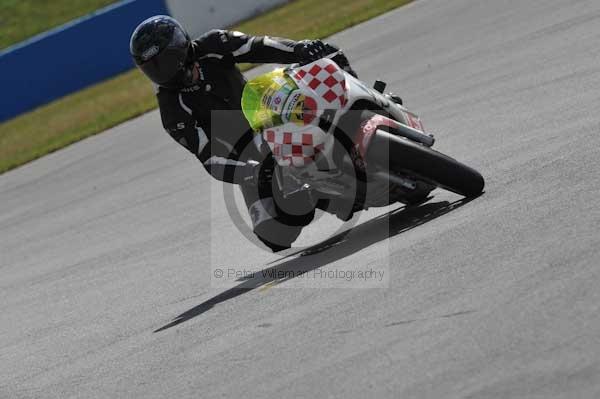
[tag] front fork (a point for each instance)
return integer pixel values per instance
(342, 182)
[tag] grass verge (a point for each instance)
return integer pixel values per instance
(21, 19)
(99, 107)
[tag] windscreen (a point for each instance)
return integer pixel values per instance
(265, 98)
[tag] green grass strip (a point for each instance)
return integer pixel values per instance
(104, 105)
(21, 19)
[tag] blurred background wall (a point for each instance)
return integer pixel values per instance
(96, 47)
(200, 16)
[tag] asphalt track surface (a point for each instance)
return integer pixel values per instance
(107, 247)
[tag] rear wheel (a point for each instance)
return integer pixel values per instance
(397, 154)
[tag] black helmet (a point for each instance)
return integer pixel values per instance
(159, 46)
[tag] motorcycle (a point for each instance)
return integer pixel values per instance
(336, 139)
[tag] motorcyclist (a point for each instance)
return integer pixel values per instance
(199, 88)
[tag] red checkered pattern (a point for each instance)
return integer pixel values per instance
(292, 148)
(326, 79)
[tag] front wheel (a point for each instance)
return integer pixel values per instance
(398, 154)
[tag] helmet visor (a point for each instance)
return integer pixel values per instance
(165, 66)
(164, 62)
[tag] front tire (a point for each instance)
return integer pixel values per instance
(398, 154)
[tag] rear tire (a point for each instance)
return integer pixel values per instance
(419, 195)
(398, 154)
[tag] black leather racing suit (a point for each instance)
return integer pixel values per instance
(206, 118)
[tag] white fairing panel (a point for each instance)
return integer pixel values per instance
(323, 88)
(294, 145)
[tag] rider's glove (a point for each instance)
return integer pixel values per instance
(310, 50)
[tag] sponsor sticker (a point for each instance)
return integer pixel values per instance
(300, 109)
(278, 100)
(290, 106)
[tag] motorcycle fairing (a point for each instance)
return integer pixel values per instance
(286, 106)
